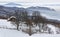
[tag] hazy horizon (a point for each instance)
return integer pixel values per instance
(55, 4)
(33, 1)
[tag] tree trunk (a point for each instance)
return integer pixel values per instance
(30, 30)
(39, 27)
(18, 26)
(43, 27)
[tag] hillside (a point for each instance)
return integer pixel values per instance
(6, 30)
(11, 10)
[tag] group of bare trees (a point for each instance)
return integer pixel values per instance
(35, 18)
(20, 17)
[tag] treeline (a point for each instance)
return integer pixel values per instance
(34, 19)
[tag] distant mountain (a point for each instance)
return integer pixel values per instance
(11, 4)
(44, 11)
(41, 8)
(9, 11)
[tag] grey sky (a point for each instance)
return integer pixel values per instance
(33, 1)
(37, 2)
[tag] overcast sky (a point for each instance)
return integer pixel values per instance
(33, 1)
(37, 2)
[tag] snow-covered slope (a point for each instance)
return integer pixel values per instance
(15, 33)
(5, 24)
(12, 33)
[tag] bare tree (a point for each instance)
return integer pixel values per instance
(44, 23)
(37, 18)
(17, 19)
(28, 20)
(20, 16)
